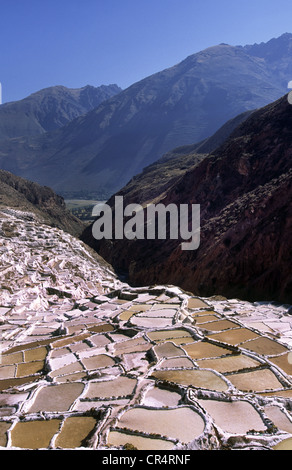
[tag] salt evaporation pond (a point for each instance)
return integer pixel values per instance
(35, 434)
(56, 397)
(191, 377)
(181, 423)
(116, 439)
(74, 431)
(258, 380)
(159, 397)
(234, 417)
(119, 387)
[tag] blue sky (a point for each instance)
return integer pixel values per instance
(79, 42)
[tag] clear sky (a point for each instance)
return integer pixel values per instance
(79, 42)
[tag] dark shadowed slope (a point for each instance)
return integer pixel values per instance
(20, 194)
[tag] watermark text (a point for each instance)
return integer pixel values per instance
(153, 222)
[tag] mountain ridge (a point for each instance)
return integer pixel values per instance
(244, 189)
(50, 108)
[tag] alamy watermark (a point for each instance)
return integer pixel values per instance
(155, 221)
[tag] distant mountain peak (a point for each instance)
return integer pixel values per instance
(50, 108)
(273, 49)
(281, 38)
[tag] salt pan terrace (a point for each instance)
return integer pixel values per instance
(89, 362)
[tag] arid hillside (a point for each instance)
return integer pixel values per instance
(21, 194)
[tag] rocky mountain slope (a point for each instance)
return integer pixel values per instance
(19, 194)
(101, 151)
(50, 108)
(87, 362)
(244, 189)
(275, 52)
(165, 172)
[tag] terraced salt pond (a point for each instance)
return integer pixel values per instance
(205, 379)
(286, 444)
(182, 423)
(74, 431)
(118, 387)
(229, 363)
(116, 439)
(225, 415)
(56, 397)
(90, 362)
(278, 416)
(255, 381)
(160, 397)
(234, 336)
(34, 434)
(204, 349)
(171, 334)
(168, 349)
(176, 363)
